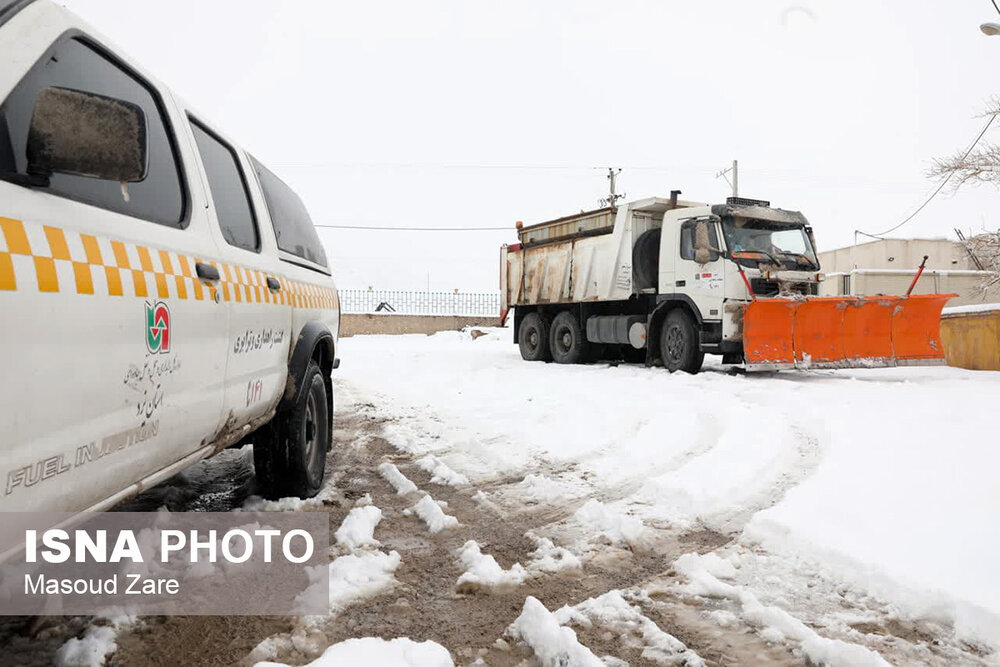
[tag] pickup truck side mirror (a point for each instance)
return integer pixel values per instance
(84, 134)
(703, 250)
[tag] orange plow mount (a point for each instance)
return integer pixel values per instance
(843, 332)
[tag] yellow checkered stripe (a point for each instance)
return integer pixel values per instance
(57, 261)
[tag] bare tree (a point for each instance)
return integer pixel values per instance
(978, 164)
(985, 248)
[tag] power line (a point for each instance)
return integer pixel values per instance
(939, 187)
(469, 166)
(420, 229)
(995, 6)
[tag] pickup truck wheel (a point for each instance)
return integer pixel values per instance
(679, 343)
(567, 340)
(290, 456)
(533, 338)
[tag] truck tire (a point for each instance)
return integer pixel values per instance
(646, 259)
(290, 455)
(567, 340)
(533, 338)
(679, 347)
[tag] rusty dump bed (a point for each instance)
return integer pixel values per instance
(843, 332)
(585, 223)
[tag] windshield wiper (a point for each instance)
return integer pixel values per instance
(799, 254)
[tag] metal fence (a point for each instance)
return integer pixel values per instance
(484, 304)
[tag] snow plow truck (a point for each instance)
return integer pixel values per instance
(665, 281)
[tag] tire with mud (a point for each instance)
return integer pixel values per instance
(289, 455)
(679, 346)
(533, 338)
(567, 340)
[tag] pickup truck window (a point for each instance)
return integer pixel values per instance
(229, 190)
(73, 64)
(293, 228)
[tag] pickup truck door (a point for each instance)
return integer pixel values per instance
(701, 275)
(112, 349)
(259, 315)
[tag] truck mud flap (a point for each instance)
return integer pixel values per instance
(843, 332)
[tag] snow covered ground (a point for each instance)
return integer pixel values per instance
(490, 510)
(881, 482)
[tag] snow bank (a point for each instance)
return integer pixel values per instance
(542, 489)
(553, 644)
(483, 572)
(356, 576)
(358, 528)
(972, 308)
(613, 613)
(549, 558)
(616, 526)
(89, 651)
(401, 652)
(397, 479)
(440, 472)
(773, 624)
(96, 644)
(432, 514)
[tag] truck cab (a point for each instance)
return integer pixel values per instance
(696, 265)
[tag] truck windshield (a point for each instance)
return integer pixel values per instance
(786, 244)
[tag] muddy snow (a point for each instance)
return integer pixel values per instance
(488, 510)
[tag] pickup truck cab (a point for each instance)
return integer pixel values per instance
(163, 295)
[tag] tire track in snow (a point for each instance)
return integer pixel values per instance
(798, 466)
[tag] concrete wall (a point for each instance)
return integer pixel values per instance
(899, 254)
(371, 323)
(972, 340)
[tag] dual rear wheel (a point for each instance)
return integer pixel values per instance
(564, 341)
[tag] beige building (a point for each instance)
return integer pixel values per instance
(897, 254)
(887, 266)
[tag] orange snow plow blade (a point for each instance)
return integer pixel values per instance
(843, 332)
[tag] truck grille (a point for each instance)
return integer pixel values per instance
(762, 287)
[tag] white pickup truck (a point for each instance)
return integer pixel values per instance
(163, 295)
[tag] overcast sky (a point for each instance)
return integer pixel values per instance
(466, 113)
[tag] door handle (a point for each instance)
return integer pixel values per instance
(273, 284)
(206, 271)
(680, 283)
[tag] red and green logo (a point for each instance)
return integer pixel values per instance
(157, 327)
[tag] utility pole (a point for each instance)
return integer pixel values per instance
(613, 197)
(735, 183)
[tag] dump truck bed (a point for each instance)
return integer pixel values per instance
(581, 257)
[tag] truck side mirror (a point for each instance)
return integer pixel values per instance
(84, 134)
(703, 250)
